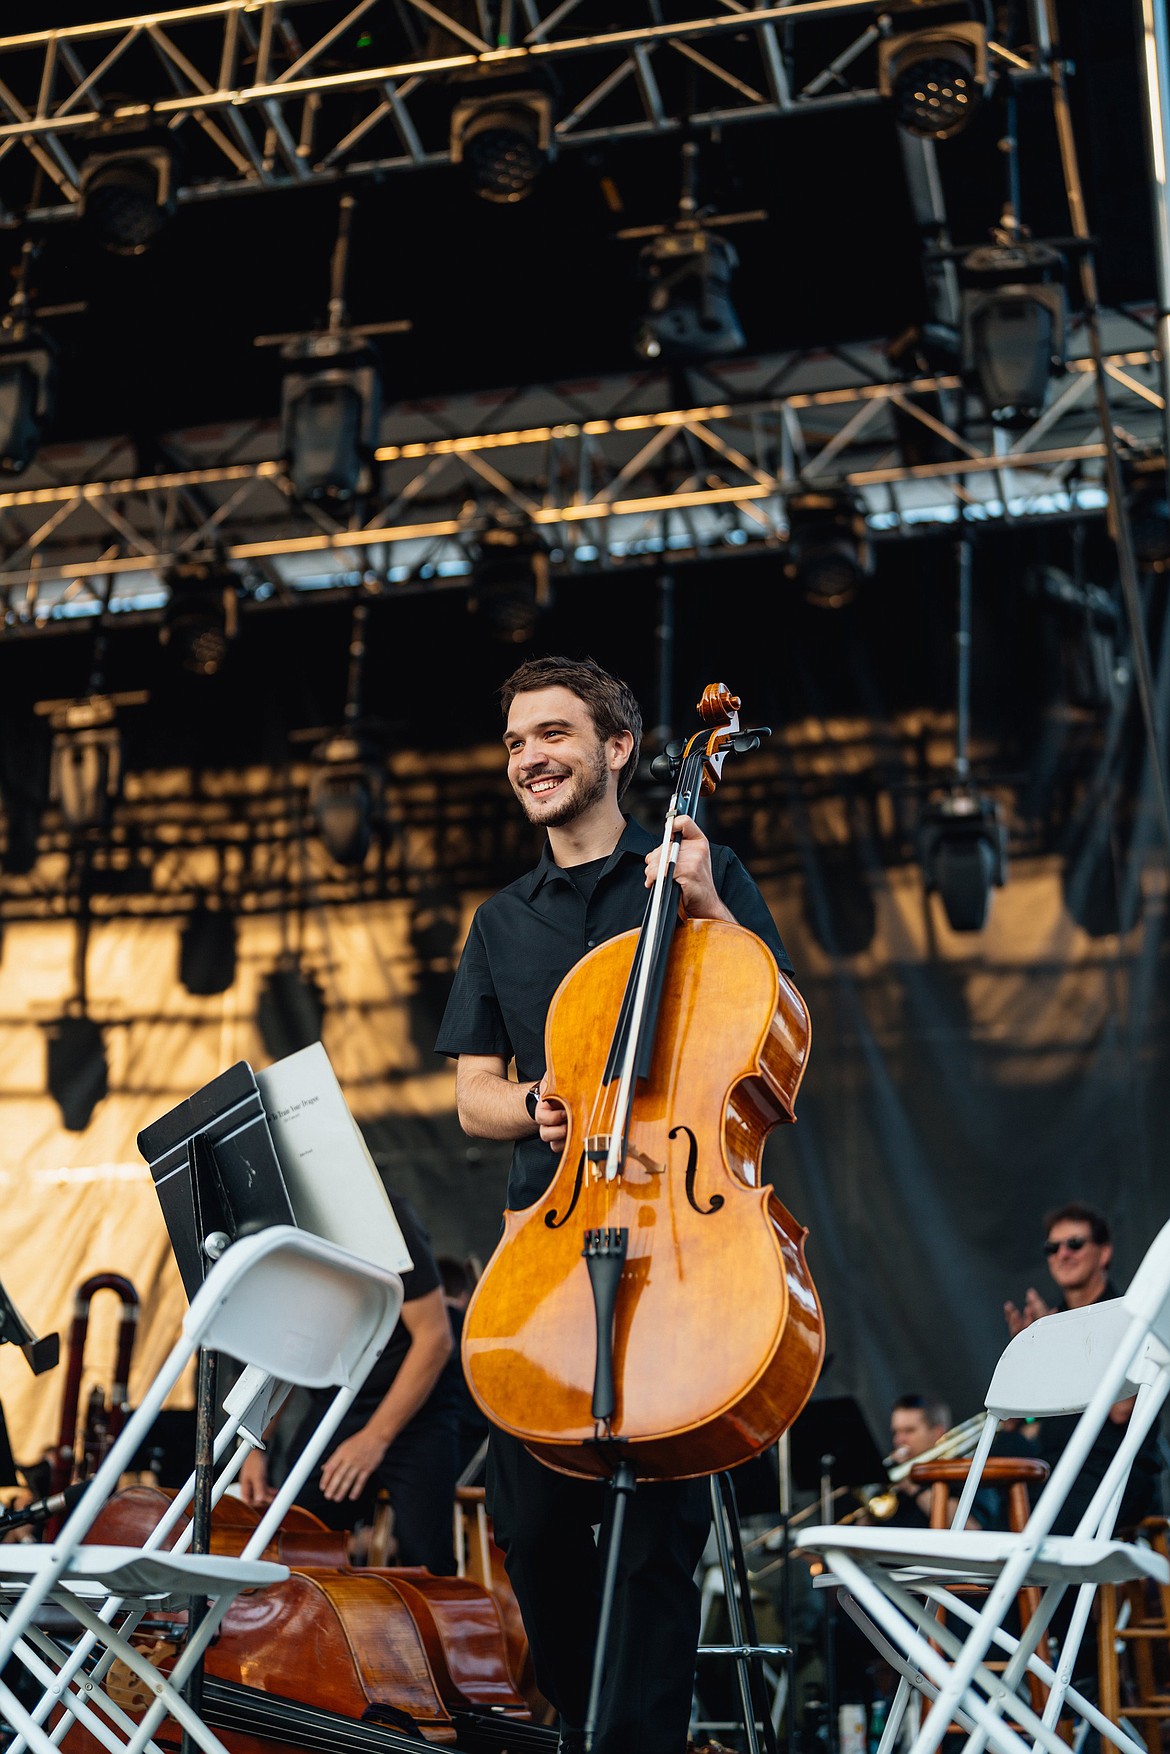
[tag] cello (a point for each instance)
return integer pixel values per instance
(599, 1332)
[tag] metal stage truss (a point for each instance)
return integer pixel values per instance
(264, 94)
(601, 473)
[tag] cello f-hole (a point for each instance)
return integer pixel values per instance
(692, 1171)
(554, 1220)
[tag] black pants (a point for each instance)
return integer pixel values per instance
(544, 1523)
(418, 1471)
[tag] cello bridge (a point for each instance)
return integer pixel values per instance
(597, 1151)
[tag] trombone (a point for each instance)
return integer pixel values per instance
(960, 1440)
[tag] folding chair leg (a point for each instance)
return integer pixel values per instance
(1023, 1661)
(919, 1648)
(896, 1715)
(81, 1709)
(15, 1714)
(1092, 1714)
(909, 1614)
(1069, 1652)
(168, 1700)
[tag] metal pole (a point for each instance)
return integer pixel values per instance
(206, 1396)
(963, 666)
(1155, 60)
(357, 660)
(339, 266)
(1119, 514)
(664, 641)
(735, 1619)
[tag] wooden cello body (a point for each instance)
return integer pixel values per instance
(716, 1335)
(352, 1641)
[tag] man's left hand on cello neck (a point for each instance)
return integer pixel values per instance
(692, 872)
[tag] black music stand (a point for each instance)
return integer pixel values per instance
(832, 1446)
(832, 1441)
(40, 1354)
(218, 1178)
(215, 1171)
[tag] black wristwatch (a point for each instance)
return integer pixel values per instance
(531, 1098)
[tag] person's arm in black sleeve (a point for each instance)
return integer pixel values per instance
(472, 1022)
(738, 890)
(489, 1104)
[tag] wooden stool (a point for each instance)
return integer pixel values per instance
(478, 1557)
(1148, 1623)
(1017, 1473)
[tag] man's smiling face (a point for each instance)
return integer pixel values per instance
(557, 764)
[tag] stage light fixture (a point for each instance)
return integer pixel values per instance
(78, 1076)
(689, 313)
(28, 382)
(85, 769)
(346, 797)
(207, 951)
(128, 192)
(202, 615)
(505, 139)
(291, 1010)
(1015, 324)
(962, 847)
(934, 78)
(829, 552)
(510, 591)
(331, 404)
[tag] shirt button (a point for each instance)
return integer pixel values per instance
(591, 943)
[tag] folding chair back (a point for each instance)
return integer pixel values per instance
(1055, 1365)
(1148, 1294)
(295, 1307)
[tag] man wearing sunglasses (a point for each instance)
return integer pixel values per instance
(1078, 1250)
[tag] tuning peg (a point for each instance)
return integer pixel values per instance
(665, 766)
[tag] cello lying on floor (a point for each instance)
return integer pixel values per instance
(358, 1660)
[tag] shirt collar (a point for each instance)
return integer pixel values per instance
(634, 841)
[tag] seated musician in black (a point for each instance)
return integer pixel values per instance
(572, 740)
(400, 1432)
(1079, 1251)
(917, 1424)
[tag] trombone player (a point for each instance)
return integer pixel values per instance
(920, 1429)
(918, 1423)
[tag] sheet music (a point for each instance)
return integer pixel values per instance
(333, 1183)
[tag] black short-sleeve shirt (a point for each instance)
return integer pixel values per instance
(525, 940)
(417, 1281)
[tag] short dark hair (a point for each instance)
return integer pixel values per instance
(935, 1412)
(611, 702)
(1077, 1212)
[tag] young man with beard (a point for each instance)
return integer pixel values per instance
(572, 738)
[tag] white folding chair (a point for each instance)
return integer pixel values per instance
(1077, 1361)
(293, 1309)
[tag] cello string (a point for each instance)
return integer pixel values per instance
(648, 937)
